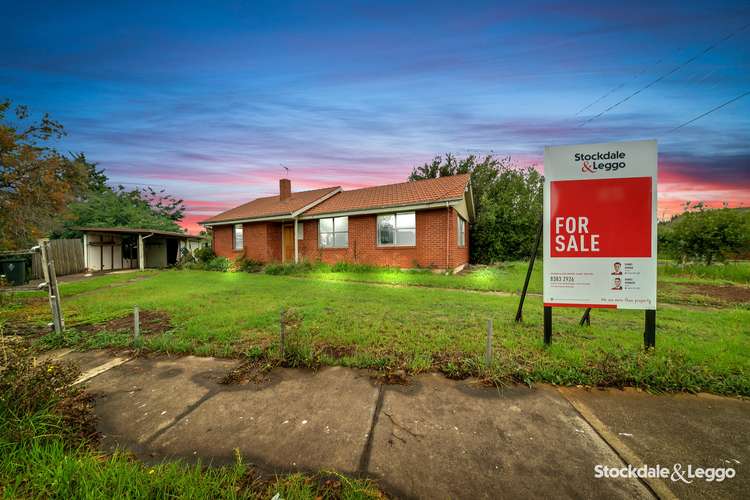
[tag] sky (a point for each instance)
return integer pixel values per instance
(209, 100)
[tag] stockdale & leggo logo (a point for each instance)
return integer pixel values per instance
(609, 161)
(686, 474)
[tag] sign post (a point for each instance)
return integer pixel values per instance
(600, 229)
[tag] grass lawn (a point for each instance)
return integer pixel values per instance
(412, 327)
(677, 283)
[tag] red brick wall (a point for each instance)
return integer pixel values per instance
(430, 249)
(262, 242)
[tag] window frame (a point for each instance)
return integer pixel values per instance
(395, 230)
(461, 231)
(241, 235)
(333, 233)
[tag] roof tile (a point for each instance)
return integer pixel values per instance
(270, 206)
(394, 195)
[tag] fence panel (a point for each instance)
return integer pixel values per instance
(68, 256)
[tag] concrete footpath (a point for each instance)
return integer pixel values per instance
(432, 438)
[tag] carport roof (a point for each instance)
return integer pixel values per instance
(131, 230)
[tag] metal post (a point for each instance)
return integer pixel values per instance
(649, 333)
(136, 323)
(488, 349)
(547, 325)
(586, 318)
(519, 313)
(282, 333)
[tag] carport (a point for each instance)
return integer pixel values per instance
(108, 248)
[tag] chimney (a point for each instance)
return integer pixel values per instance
(285, 189)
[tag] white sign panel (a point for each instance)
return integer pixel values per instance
(600, 225)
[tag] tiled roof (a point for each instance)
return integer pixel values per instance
(393, 195)
(271, 206)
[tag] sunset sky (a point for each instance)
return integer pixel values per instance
(208, 99)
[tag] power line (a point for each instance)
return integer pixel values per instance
(730, 101)
(612, 91)
(665, 75)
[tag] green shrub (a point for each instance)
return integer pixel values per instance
(218, 264)
(204, 254)
(244, 265)
(350, 267)
(287, 269)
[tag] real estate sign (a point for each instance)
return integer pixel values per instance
(600, 225)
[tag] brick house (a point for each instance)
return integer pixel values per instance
(411, 224)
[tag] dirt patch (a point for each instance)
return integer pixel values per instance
(727, 293)
(455, 365)
(392, 377)
(25, 329)
(152, 323)
(253, 371)
(337, 351)
(78, 413)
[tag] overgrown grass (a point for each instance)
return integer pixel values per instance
(46, 469)
(47, 450)
(505, 277)
(417, 329)
(729, 272)
(509, 277)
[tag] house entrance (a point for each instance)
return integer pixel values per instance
(287, 243)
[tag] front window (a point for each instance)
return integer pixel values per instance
(397, 229)
(238, 237)
(461, 231)
(333, 232)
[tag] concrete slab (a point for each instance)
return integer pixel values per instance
(88, 360)
(298, 420)
(702, 430)
(136, 400)
(437, 438)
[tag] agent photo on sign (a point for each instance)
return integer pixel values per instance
(617, 266)
(618, 284)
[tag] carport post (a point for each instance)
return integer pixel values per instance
(141, 264)
(86, 251)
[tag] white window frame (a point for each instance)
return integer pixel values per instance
(235, 234)
(300, 230)
(333, 233)
(395, 230)
(461, 231)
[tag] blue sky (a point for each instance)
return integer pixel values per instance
(208, 99)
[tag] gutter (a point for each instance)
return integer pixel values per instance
(378, 210)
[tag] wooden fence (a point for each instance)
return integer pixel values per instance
(67, 254)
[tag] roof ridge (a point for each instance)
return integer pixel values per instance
(432, 179)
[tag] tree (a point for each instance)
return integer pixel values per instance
(36, 182)
(508, 202)
(702, 233)
(119, 207)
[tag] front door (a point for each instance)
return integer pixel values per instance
(287, 243)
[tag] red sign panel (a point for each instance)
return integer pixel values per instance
(601, 218)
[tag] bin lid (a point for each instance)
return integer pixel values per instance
(12, 259)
